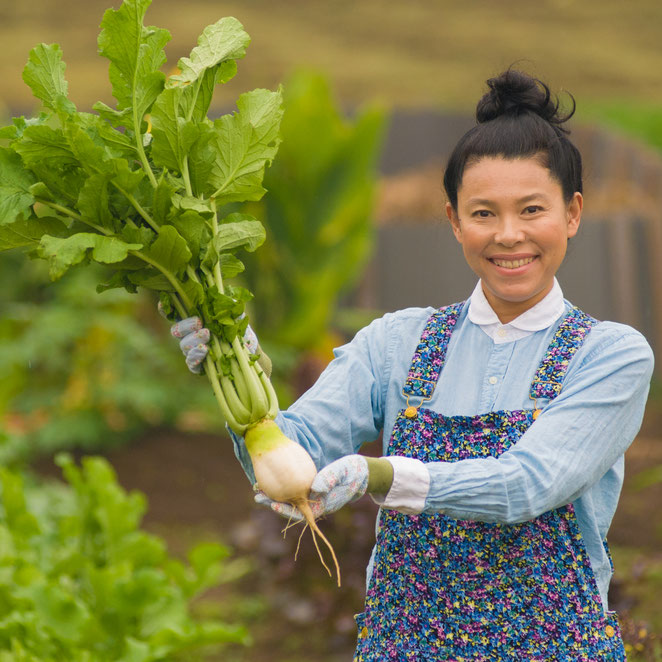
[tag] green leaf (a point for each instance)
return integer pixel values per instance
(67, 252)
(93, 156)
(201, 159)
(205, 561)
(230, 266)
(244, 144)
(194, 291)
(117, 143)
(162, 202)
(152, 279)
(93, 201)
(42, 146)
(59, 611)
(212, 61)
(193, 228)
(170, 250)
(184, 202)
(44, 74)
(18, 518)
(28, 232)
(224, 40)
(136, 55)
(15, 182)
(239, 231)
(172, 135)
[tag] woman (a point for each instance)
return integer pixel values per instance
(504, 435)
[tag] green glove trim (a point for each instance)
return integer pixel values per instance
(380, 475)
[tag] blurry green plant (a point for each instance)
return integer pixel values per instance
(637, 120)
(317, 213)
(81, 369)
(80, 582)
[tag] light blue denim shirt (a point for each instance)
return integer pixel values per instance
(574, 452)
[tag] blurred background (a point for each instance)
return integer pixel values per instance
(376, 94)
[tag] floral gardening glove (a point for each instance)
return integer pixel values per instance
(339, 483)
(194, 339)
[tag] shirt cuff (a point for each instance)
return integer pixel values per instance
(411, 483)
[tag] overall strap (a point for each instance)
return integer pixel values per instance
(569, 337)
(430, 354)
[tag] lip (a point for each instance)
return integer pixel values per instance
(528, 260)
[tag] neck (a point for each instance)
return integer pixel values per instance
(507, 311)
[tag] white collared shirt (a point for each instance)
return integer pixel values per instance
(536, 318)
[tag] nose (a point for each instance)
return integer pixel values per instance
(509, 231)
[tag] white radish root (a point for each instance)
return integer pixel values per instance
(284, 472)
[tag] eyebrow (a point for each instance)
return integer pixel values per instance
(522, 200)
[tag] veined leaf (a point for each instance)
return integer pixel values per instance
(42, 146)
(242, 231)
(193, 228)
(65, 253)
(170, 250)
(224, 40)
(117, 144)
(94, 158)
(172, 135)
(44, 74)
(28, 232)
(136, 55)
(245, 143)
(212, 61)
(231, 266)
(93, 200)
(15, 183)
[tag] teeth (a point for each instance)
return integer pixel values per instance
(513, 264)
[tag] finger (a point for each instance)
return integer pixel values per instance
(262, 499)
(199, 337)
(186, 326)
(287, 511)
(195, 357)
(250, 340)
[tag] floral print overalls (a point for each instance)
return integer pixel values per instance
(446, 589)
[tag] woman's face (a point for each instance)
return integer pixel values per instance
(514, 226)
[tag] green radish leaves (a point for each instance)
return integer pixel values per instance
(16, 200)
(44, 73)
(64, 253)
(142, 188)
(136, 56)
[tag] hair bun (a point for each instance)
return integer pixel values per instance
(515, 92)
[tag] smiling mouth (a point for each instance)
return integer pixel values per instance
(512, 264)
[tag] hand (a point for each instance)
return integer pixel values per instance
(339, 483)
(194, 338)
(193, 343)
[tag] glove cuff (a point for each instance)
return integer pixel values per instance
(380, 475)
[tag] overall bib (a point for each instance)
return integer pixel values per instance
(461, 590)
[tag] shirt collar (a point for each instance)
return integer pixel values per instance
(540, 316)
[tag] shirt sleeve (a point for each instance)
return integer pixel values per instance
(577, 438)
(345, 407)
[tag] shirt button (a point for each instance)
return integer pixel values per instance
(501, 332)
(609, 631)
(493, 380)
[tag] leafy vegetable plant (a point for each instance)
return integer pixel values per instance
(79, 580)
(141, 187)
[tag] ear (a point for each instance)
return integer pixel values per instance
(574, 213)
(455, 221)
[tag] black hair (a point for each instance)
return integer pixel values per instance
(518, 118)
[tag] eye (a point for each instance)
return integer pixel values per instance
(481, 213)
(532, 209)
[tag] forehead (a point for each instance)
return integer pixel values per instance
(495, 176)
